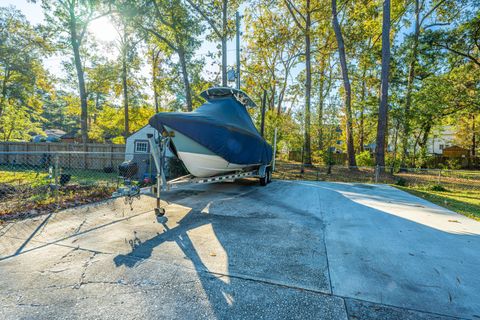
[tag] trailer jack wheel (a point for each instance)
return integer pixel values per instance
(159, 212)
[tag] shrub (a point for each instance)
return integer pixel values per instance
(364, 159)
(454, 164)
(319, 157)
(389, 161)
(401, 182)
(437, 187)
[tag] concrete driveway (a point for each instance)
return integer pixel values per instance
(293, 249)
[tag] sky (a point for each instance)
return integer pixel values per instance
(104, 31)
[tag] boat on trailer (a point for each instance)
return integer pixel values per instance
(217, 142)
(217, 138)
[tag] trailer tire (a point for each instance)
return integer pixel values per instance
(159, 212)
(263, 181)
(267, 178)
(269, 175)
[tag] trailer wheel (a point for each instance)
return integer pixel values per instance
(263, 181)
(159, 212)
(269, 175)
(267, 178)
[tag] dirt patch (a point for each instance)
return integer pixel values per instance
(6, 190)
(24, 201)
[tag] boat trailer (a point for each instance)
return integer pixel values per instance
(158, 148)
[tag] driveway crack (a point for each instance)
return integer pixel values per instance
(87, 264)
(324, 233)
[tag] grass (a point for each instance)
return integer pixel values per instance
(89, 177)
(466, 202)
(24, 190)
(17, 175)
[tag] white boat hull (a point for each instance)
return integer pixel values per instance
(203, 165)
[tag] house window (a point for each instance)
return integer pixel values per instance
(441, 147)
(141, 147)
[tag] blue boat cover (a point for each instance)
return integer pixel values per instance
(223, 126)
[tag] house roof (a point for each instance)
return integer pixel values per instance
(71, 134)
(131, 134)
(54, 132)
(454, 147)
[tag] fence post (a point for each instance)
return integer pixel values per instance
(56, 175)
(439, 175)
(377, 172)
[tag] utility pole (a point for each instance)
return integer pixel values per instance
(237, 20)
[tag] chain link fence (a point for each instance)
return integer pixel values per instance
(414, 177)
(33, 183)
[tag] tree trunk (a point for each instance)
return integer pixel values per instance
(383, 107)
(155, 56)
(280, 100)
(186, 82)
(271, 105)
(80, 75)
(361, 140)
(411, 78)
(4, 89)
(346, 84)
(308, 84)
(395, 141)
(426, 132)
(474, 142)
(282, 90)
(423, 143)
(262, 120)
(320, 103)
(224, 42)
(125, 92)
(362, 111)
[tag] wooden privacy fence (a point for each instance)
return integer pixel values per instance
(69, 155)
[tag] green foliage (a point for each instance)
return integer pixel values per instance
(365, 159)
(462, 201)
(401, 182)
(437, 187)
(454, 164)
(24, 82)
(17, 124)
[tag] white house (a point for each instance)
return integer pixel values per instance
(440, 139)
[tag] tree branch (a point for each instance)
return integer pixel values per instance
(463, 54)
(162, 38)
(159, 16)
(436, 24)
(287, 2)
(431, 11)
(205, 16)
(87, 22)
